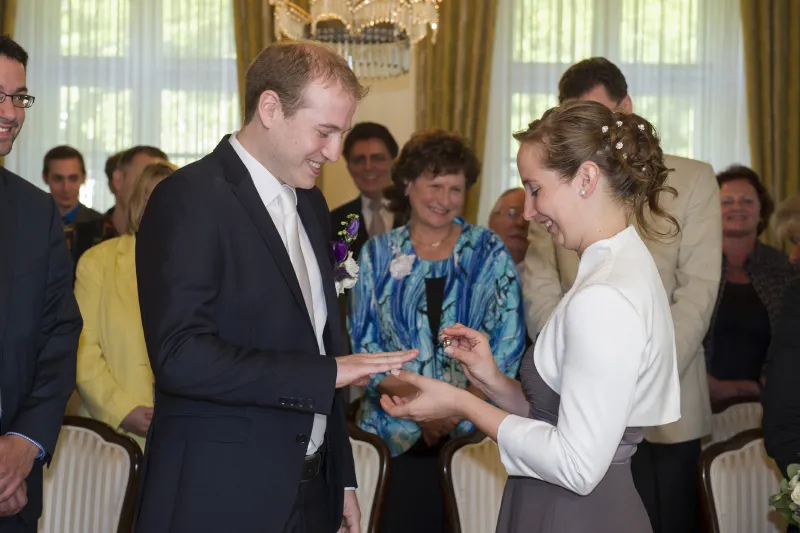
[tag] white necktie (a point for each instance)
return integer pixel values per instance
(290, 226)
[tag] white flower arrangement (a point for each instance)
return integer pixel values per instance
(787, 501)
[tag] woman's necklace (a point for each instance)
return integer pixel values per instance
(433, 244)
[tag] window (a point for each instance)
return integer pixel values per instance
(682, 60)
(109, 74)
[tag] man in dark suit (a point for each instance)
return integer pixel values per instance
(236, 290)
(64, 173)
(39, 319)
(369, 150)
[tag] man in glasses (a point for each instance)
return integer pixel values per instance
(506, 220)
(39, 318)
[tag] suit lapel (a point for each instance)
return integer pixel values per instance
(322, 252)
(8, 235)
(245, 191)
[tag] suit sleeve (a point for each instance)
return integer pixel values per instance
(179, 264)
(699, 268)
(541, 284)
(42, 412)
(781, 402)
(102, 395)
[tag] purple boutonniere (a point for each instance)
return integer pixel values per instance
(345, 268)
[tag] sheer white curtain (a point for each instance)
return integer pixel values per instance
(682, 59)
(110, 74)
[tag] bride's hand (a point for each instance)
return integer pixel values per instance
(471, 348)
(434, 400)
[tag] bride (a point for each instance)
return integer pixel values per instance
(604, 365)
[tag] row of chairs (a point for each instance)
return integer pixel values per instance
(93, 480)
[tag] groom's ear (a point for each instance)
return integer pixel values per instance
(269, 108)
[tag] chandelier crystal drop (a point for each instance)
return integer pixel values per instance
(374, 36)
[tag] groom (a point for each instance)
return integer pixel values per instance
(240, 317)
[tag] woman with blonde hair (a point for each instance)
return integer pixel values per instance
(786, 223)
(115, 381)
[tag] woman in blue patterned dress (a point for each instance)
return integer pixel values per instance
(434, 272)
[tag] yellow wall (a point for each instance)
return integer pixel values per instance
(389, 102)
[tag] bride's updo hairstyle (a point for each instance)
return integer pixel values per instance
(624, 146)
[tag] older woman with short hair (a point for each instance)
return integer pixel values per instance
(750, 293)
(115, 381)
(434, 272)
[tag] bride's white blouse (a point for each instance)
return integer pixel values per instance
(608, 349)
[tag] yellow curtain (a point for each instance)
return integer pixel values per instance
(8, 15)
(772, 63)
(453, 76)
(254, 29)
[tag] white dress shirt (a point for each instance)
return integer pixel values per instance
(608, 350)
(385, 214)
(269, 189)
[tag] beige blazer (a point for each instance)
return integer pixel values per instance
(690, 268)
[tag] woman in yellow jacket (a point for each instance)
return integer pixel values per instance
(115, 381)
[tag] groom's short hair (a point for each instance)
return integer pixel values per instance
(585, 75)
(288, 67)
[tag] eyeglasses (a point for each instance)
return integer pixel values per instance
(18, 100)
(512, 213)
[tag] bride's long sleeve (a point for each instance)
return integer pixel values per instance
(602, 348)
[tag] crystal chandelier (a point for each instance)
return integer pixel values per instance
(374, 36)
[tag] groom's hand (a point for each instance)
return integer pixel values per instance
(354, 368)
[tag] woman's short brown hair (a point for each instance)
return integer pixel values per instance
(152, 173)
(434, 151)
(624, 146)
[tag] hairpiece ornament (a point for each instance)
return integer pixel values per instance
(625, 156)
(604, 129)
(641, 127)
(618, 145)
(644, 169)
(619, 123)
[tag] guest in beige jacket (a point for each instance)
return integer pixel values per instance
(665, 465)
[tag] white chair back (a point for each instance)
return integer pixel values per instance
(741, 481)
(733, 420)
(371, 458)
(86, 485)
(478, 479)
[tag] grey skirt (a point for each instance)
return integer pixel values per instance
(535, 506)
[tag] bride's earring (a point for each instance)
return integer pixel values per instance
(582, 192)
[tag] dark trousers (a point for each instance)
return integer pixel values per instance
(414, 500)
(14, 524)
(312, 508)
(667, 479)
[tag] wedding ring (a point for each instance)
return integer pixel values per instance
(446, 342)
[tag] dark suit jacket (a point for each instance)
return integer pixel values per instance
(781, 401)
(39, 323)
(353, 207)
(238, 373)
(86, 214)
